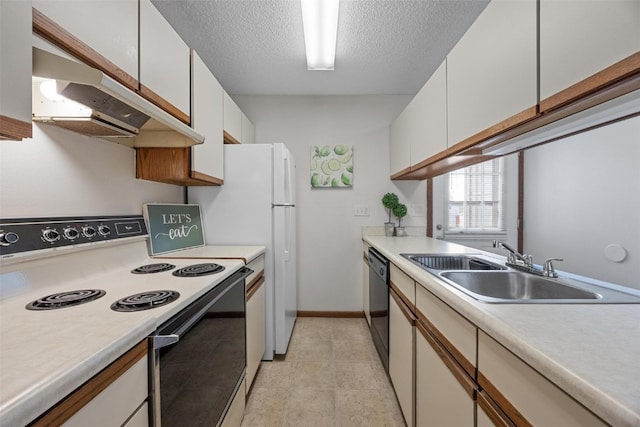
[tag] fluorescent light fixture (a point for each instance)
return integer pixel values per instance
(320, 22)
(619, 108)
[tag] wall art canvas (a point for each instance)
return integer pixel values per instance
(331, 166)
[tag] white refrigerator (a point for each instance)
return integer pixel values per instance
(256, 206)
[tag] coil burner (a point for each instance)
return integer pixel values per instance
(145, 301)
(65, 299)
(198, 270)
(153, 268)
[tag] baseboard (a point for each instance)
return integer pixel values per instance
(343, 314)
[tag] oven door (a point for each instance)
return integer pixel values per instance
(198, 357)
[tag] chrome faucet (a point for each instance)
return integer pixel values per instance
(524, 262)
(515, 258)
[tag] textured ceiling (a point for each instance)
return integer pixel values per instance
(256, 47)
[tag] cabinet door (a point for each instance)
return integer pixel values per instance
(430, 134)
(523, 393)
(492, 71)
(365, 288)
(441, 397)
(400, 141)
(15, 69)
(402, 355)
(206, 119)
(248, 131)
(109, 27)
(255, 332)
(578, 38)
(164, 63)
(232, 119)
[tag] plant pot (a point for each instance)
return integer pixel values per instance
(389, 228)
(401, 232)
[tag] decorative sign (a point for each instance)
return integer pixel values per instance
(331, 166)
(173, 227)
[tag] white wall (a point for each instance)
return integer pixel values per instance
(329, 236)
(62, 173)
(582, 194)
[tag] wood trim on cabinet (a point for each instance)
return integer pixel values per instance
(520, 221)
(340, 314)
(408, 314)
(71, 404)
(171, 166)
(457, 355)
(57, 35)
(610, 75)
(401, 174)
(14, 129)
(228, 138)
(405, 300)
(495, 414)
(156, 99)
(365, 258)
(253, 288)
(458, 372)
(510, 411)
(429, 207)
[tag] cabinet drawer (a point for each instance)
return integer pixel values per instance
(405, 285)
(455, 332)
(117, 402)
(257, 265)
(522, 393)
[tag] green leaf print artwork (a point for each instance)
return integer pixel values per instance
(331, 166)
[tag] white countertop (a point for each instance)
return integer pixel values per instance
(246, 253)
(591, 351)
(45, 355)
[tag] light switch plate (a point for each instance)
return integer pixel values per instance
(360, 210)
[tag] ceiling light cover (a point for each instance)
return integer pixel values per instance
(320, 22)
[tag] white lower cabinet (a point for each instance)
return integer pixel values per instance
(402, 355)
(524, 394)
(233, 417)
(444, 397)
(255, 332)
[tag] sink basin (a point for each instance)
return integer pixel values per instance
(517, 287)
(452, 262)
(511, 285)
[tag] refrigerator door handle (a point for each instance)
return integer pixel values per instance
(283, 205)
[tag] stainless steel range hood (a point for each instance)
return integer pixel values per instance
(94, 104)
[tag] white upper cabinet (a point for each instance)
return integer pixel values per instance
(164, 62)
(15, 69)
(108, 27)
(400, 141)
(429, 134)
(206, 119)
(421, 129)
(578, 38)
(492, 71)
(248, 131)
(232, 118)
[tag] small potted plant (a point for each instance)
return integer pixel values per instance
(400, 210)
(389, 201)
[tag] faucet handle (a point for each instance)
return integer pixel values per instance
(547, 267)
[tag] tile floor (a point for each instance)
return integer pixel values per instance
(331, 376)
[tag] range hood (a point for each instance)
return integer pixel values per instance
(92, 103)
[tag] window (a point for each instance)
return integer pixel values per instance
(474, 199)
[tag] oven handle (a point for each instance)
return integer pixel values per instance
(174, 336)
(160, 341)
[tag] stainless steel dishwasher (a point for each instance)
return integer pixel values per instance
(379, 304)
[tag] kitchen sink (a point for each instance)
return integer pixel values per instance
(452, 262)
(518, 287)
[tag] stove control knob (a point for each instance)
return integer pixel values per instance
(104, 230)
(71, 233)
(9, 238)
(50, 235)
(88, 231)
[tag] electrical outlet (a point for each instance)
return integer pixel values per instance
(360, 210)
